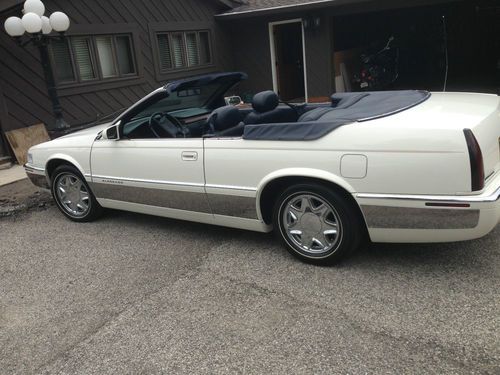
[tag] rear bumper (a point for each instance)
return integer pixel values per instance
(431, 218)
(37, 176)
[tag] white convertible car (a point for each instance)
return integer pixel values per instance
(402, 166)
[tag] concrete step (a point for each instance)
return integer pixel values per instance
(5, 162)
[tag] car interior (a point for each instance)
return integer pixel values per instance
(225, 121)
(158, 120)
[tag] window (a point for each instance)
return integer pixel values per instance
(180, 50)
(89, 58)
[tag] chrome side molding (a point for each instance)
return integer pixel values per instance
(419, 218)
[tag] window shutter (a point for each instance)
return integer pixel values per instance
(105, 54)
(178, 50)
(62, 60)
(124, 55)
(192, 49)
(205, 53)
(81, 48)
(164, 52)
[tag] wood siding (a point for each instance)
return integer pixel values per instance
(22, 78)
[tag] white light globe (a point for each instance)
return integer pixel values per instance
(59, 22)
(46, 28)
(32, 23)
(14, 26)
(34, 6)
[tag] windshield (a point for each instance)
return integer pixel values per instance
(195, 97)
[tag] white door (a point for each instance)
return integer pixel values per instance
(166, 173)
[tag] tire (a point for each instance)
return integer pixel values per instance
(317, 224)
(73, 196)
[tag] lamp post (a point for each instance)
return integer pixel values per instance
(38, 29)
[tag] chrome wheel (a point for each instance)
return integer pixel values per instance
(311, 224)
(72, 195)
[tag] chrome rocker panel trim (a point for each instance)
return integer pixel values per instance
(431, 218)
(419, 218)
(37, 176)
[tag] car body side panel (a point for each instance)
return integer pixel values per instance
(421, 151)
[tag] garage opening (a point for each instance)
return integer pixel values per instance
(453, 46)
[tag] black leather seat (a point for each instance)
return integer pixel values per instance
(226, 122)
(266, 110)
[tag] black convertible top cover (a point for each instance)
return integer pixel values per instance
(346, 108)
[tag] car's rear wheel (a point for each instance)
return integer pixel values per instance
(317, 224)
(73, 195)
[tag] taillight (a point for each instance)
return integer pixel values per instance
(476, 161)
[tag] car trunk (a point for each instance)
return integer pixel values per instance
(487, 133)
(481, 114)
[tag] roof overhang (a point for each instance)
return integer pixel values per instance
(311, 5)
(322, 4)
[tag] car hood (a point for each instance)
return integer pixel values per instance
(81, 138)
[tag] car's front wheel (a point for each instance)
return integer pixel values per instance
(317, 224)
(73, 195)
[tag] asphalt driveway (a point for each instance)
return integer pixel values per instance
(138, 294)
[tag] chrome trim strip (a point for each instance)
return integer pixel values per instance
(172, 183)
(218, 204)
(233, 205)
(32, 168)
(38, 179)
(182, 200)
(385, 217)
(230, 187)
(436, 198)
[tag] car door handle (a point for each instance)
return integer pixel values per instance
(189, 155)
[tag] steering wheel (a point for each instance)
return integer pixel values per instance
(172, 126)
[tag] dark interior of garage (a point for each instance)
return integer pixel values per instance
(459, 38)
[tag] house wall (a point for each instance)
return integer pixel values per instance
(22, 78)
(252, 54)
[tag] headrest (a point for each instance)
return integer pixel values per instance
(224, 118)
(265, 101)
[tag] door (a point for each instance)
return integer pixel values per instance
(165, 173)
(289, 60)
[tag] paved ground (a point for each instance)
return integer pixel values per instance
(12, 174)
(138, 294)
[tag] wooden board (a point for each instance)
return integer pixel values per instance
(22, 139)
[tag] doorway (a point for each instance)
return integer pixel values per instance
(288, 60)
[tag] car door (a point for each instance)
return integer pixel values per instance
(135, 174)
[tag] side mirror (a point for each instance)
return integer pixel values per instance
(111, 133)
(233, 100)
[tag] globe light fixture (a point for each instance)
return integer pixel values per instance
(37, 29)
(59, 21)
(46, 27)
(32, 23)
(14, 26)
(34, 6)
